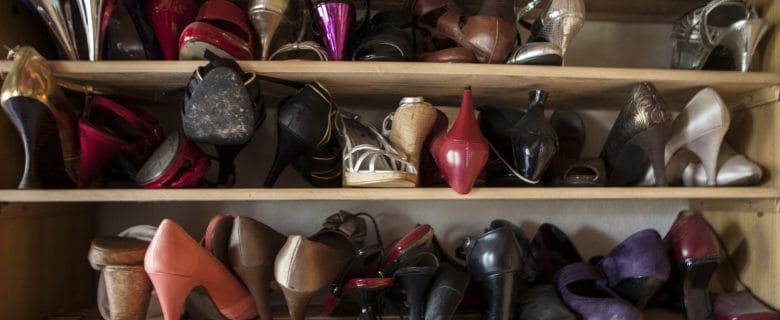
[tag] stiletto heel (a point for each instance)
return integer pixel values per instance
(417, 268)
(92, 13)
(642, 123)
(270, 19)
(743, 41)
(334, 18)
(700, 127)
(172, 290)
(56, 14)
(28, 117)
(288, 147)
(366, 292)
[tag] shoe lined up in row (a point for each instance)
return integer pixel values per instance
(723, 34)
(224, 106)
(239, 259)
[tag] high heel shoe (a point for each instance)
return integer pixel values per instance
(30, 96)
(334, 18)
(417, 268)
(366, 291)
(410, 126)
(169, 18)
(495, 259)
(496, 124)
(221, 28)
(128, 288)
(695, 253)
(176, 264)
(700, 127)
(534, 142)
(56, 14)
(730, 24)
(108, 129)
(552, 250)
(582, 288)
(323, 168)
(369, 159)
(252, 250)
(568, 169)
(557, 26)
(176, 163)
(637, 267)
(445, 293)
(304, 127)
(274, 21)
(442, 18)
(641, 131)
(461, 153)
(733, 170)
(92, 14)
(491, 33)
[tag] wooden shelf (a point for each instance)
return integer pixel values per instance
(371, 84)
(282, 194)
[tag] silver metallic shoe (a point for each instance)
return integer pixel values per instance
(91, 15)
(560, 23)
(722, 27)
(275, 21)
(56, 14)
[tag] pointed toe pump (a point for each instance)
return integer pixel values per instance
(582, 289)
(410, 126)
(491, 33)
(252, 249)
(274, 21)
(640, 132)
(721, 30)
(56, 14)
(221, 28)
(304, 127)
(534, 142)
(700, 127)
(168, 19)
(462, 152)
(107, 129)
(31, 98)
(695, 254)
(177, 264)
(128, 288)
(92, 14)
(495, 259)
(637, 268)
(176, 163)
(334, 19)
(445, 293)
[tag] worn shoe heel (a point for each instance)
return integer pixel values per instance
(258, 281)
(297, 302)
(639, 290)
(497, 288)
(128, 289)
(696, 280)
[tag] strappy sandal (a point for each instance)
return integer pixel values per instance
(369, 159)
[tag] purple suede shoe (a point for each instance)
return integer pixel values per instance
(585, 292)
(637, 267)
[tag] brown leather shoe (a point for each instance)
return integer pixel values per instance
(441, 18)
(253, 248)
(491, 34)
(451, 55)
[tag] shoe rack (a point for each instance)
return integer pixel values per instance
(44, 234)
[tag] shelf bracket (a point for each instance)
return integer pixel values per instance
(756, 98)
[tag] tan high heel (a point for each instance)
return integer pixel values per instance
(127, 286)
(410, 125)
(303, 267)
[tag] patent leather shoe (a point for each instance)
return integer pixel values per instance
(221, 28)
(168, 19)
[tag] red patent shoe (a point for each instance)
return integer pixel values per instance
(168, 18)
(220, 27)
(111, 129)
(177, 264)
(177, 163)
(461, 153)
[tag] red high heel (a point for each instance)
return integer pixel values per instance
(177, 163)
(461, 153)
(176, 264)
(222, 28)
(111, 129)
(168, 18)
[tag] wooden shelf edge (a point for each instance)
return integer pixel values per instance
(373, 194)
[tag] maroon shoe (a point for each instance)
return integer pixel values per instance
(177, 163)
(168, 18)
(222, 28)
(742, 306)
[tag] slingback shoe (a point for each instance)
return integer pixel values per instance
(304, 126)
(56, 14)
(461, 153)
(369, 159)
(446, 293)
(695, 253)
(642, 125)
(176, 264)
(303, 267)
(334, 19)
(110, 130)
(700, 127)
(410, 126)
(31, 97)
(637, 267)
(732, 25)
(495, 259)
(271, 20)
(491, 33)
(534, 142)
(127, 286)
(253, 248)
(168, 19)
(92, 13)
(221, 28)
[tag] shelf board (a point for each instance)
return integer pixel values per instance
(285, 194)
(364, 84)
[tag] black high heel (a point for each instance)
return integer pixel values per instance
(642, 124)
(418, 269)
(446, 293)
(304, 126)
(534, 142)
